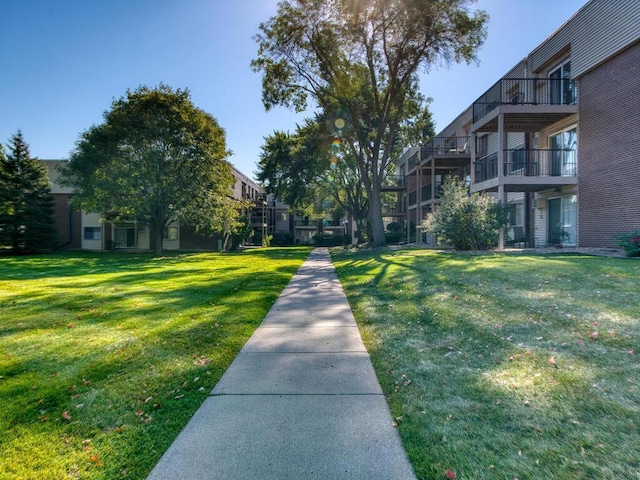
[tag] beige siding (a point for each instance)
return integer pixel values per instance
(595, 33)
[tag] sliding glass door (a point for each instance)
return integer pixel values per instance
(562, 219)
(564, 152)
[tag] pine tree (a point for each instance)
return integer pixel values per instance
(26, 203)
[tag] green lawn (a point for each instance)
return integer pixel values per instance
(505, 366)
(105, 357)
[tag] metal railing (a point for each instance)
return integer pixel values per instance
(413, 197)
(528, 163)
(444, 145)
(394, 181)
(425, 192)
(540, 163)
(391, 208)
(486, 167)
(526, 91)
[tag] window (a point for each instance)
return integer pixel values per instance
(564, 152)
(561, 87)
(515, 212)
(92, 233)
(170, 233)
(518, 160)
(482, 146)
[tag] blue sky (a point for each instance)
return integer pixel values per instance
(63, 62)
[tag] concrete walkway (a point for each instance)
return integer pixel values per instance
(300, 401)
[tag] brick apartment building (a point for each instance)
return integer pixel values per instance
(555, 139)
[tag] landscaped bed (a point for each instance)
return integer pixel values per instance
(505, 366)
(104, 357)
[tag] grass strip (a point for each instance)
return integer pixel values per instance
(504, 366)
(104, 357)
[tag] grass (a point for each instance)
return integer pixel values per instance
(105, 357)
(504, 366)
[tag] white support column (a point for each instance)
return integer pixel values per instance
(418, 198)
(472, 139)
(502, 144)
(502, 196)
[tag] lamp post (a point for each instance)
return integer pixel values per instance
(346, 224)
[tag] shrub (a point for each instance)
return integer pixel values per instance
(464, 221)
(630, 242)
(394, 236)
(282, 239)
(394, 227)
(328, 240)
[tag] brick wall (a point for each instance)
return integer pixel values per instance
(609, 150)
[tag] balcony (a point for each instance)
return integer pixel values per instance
(425, 192)
(526, 170)
(529, 104)
(446, 146)
(393, 183)
(393, 209)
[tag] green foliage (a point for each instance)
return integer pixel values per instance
(394, 227)
(467, 222)
(291, 165)
(241, 231)
(630, 242)
(359, 62)
(328, 240)
(26, 203)
(283, 239)
(156, 158)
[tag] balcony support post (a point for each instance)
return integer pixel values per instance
(418, 200)
(502, 143)
(433, 185)
(502, 196)
(473, 157)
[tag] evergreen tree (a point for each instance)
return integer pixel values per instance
(26, 203)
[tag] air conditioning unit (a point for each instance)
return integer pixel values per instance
(540, 203)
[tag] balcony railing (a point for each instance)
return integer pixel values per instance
(425, 192)
(486, 167)
(393, 208)
(443, 145)
(525, 91)
(394, 181)
(528, 163)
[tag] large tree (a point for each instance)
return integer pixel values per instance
(313, 164)
(156, 158)
(359, 61)
(26, 203)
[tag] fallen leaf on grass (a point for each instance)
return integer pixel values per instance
(552, 361)
(66, 415)
(95, 458)
(86, 382)
(594, 335)
(202, 361)
(450, 474)
(139, 413)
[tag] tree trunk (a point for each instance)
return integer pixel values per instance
(158, 234)
(375, 217)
